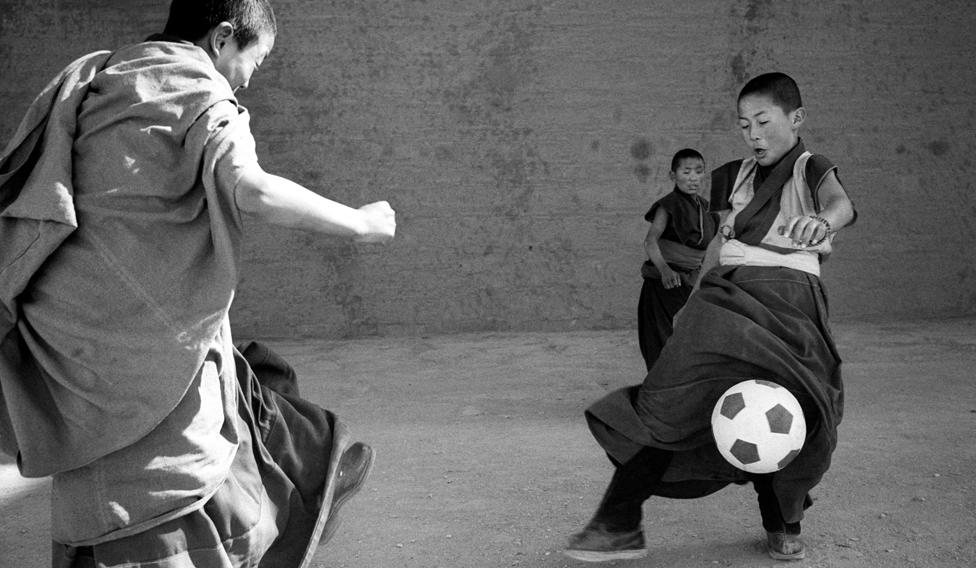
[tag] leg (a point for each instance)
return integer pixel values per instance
(306, 443)
(255, 507)
(632, 484)
(270, 368)
(64, 556)
(646, 335)
(614, 532)
(655, 316)
(782, 538)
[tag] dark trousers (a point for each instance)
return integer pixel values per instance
(640, 478)
(656, 309)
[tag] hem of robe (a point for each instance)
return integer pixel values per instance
(259, 515)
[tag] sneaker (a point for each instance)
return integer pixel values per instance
(354, 467)
(782, 546)
(597, 544)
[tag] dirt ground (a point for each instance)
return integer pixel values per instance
(484, 459)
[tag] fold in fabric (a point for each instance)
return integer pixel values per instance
(744, 322)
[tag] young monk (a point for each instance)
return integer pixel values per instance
(681, 229)
(760, 313)
(124, 194)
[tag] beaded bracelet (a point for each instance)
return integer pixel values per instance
(826, 225)
(823, 222)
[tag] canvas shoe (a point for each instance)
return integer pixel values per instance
(354, 467)
(782, 546)
(596, 543)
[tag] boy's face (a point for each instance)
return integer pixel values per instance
(688, 176)
(237, 65)
(770, 131)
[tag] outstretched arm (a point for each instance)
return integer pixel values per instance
(280, 201)
(836, 209)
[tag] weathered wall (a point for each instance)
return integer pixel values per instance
(521, 141)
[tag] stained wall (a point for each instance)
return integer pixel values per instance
(521, 141)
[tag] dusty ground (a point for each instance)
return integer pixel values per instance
(484, 459)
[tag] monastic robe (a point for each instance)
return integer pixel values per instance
(750, 319)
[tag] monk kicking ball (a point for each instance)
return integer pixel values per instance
(760, 310)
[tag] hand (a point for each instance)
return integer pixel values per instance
(380, 221)
(670, 278)
(804, 230)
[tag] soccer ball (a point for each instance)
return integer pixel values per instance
(758, 426)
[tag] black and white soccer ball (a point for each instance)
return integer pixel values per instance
(758, 426)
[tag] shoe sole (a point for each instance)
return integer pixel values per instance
(332, 524)
(599, 556)
(780, 556)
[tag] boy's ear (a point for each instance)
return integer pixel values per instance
(799, 115)
(220, 35)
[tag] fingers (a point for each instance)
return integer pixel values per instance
(670, 281)
(787, 229)
(383, 236)
(379, 208)
(381, 222)
(804, 231)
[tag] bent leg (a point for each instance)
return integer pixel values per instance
(614, 532)
(280, 494)
(270, 368)
(236, 526)
(769, 508)
(310, 447)
(782, 539)
(632, 483)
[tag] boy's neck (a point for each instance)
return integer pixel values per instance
(168, 37)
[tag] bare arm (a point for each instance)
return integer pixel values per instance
(837, 210)
(669, 278)
(837, 207)
(274, 199)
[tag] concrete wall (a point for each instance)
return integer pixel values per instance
(521, 141)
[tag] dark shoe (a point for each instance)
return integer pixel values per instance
(782, 546)
(354, 468)
(597, 544)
